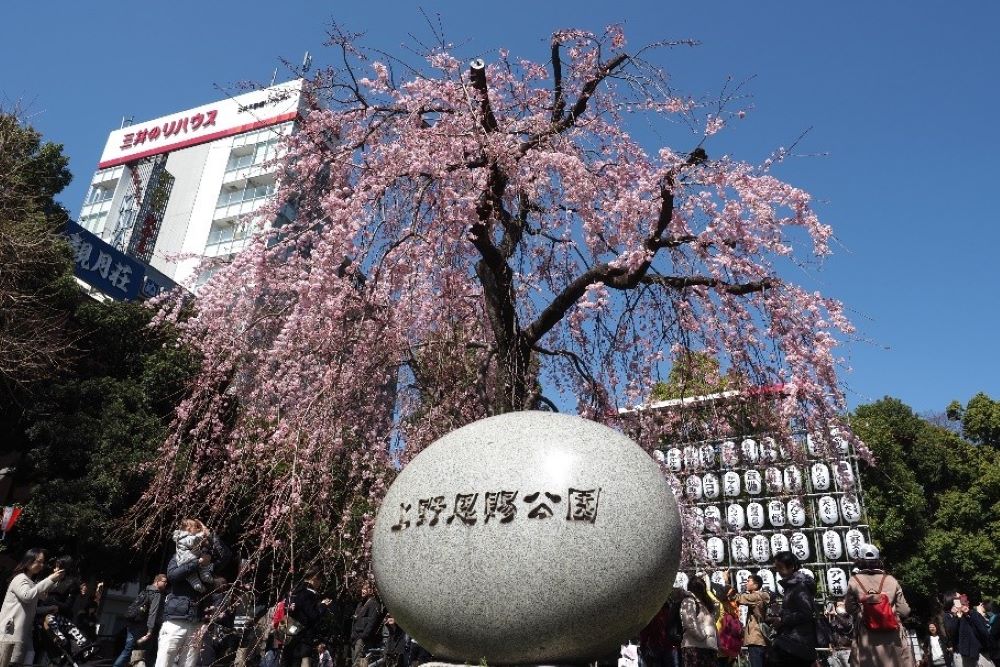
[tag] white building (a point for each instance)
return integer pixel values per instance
(173, 190)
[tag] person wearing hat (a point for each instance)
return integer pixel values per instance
(877, 648)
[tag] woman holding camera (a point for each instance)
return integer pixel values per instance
(21, 601)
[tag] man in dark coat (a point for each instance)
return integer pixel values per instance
(967, 629)
(393, 644)
(305, 608)
(178, 641)
(795, 642)
(366, 626)
(140, 632)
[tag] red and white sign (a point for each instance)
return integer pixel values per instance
(10, 515)
(243, 113)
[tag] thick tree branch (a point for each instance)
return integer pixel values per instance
(738, 289)
(477, 74)
(558, 100)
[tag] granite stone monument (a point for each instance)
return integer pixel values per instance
(527, 538)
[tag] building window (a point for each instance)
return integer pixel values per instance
(94, 222)
(254, 154)
(248, 192)
(98, 194)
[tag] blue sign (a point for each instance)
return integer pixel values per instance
(111, 271)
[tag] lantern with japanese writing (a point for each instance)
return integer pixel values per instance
(776, 513)
(735, 517)
(728, 454)
(697, 515)
(731, 484)
(751, 452)
(713, 519)
(850, 509)
(760, 547)
(813, 446)
(752, 482)
(674, 459)
(796, 513)
(692, 487)
(707, 456)
(828, 510)
(710, 485)
(820, 477)
(768, 578)
(831, 545)
(798, 544)
(854, 542)
(793, 479)
(741, 579)
(769, 450)
(836, 581)
(740, 549)
(681, 581)
(716, 549)
(692, 458)
(845, 476)
(773, 480)
(755, 515)
(779, 543)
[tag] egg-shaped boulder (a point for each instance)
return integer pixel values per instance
(529, 537)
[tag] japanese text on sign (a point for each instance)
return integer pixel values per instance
(500, 507)
(195, 123)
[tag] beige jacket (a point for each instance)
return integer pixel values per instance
(880, 648)
(756, 604)
(18, 611)
(699, 625)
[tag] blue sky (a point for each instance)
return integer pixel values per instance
(902, 154)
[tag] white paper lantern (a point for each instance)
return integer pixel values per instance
(735, 517)
(776, 513)
(710, 486)
(845, 475)
(798, 544)
(793, 479)
(813, 446)
(753, 482)
(718, 577)
(832, 548)
(730, 458)
(785, 449)
(836, 582)
(692, 487)
(713, 519)
(751, 452)
(779, 583)
(820, 477)
(828, 510)
(769, 450)
(779, 543)
(760, 547)
(692, 458)
(741, 579)
(809, 573)
(773, 480)
(731, 484)
(740, 549)
(850, 509)
(768, 577)
(854, 542)
(839, 441)
(681, 581)
(796, 513)
(697, 515)
(674, 459)
(716, 549)
(755, 516)
(707, 456)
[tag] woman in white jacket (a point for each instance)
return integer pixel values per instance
(18, 612)
(700, 645)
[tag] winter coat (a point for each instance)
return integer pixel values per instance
(969, 634)
(877, 648)
(181, 603)
(756, 604)
(796, 631)
(154, 614)
(367, 622)
(699, 625)
(18, 612)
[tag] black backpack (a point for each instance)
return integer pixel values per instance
(139, 608)
(675, 626)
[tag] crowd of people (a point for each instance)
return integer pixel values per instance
(702, 626)
(190, 616)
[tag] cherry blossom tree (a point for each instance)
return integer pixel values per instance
(472, 239)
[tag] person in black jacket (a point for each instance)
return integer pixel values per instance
(306, 609)
(795, 642)
(142, 628)
(365, 630)
(967, 629)
(394, 642)
(181, 620)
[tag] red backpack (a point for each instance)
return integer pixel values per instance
(878, 616)
(730, 636)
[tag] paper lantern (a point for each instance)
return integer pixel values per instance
(716, 549)
(798, 544)
(751, 452)
(773, 480)
(753, 482)
(710, 485)
(697, 515)
(674, 459)
(828, 510)
(755, 516)
(692, 458)
(793, 479)
(779, 543)
(768, 577)
(707, 456)
(735, 517)
(854, 541)
(813, 446)
(776, 513)
(836, 582)
(741, 579)
(845, 475)
(760, 547)
(796, 513)
(850, 509)
(820, 475)
(713, 519)
(681, 581)
(731, 484)
(740, 549)
(692, 487)
(832, 547)
(730, 458)
(769, 450)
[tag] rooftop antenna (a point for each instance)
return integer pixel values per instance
(126, 122)
(274, 76)
(307, 62)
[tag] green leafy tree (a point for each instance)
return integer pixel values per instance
(980, 419)
(932, 502)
